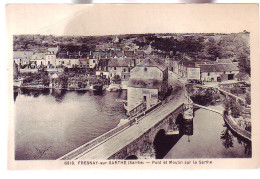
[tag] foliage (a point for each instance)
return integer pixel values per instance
(248, 98)
(235, 109)
(116, 79)
(62, 80)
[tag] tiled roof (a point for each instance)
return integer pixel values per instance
(68, 56)
(218, 68)
(38, 56)
(53, 49)
(118, 62)
(219, 61)
(117, 54)
(152, 63)
(129, 54)
(100, 54)
(206, 62)
(22, 54)
(187, 63)
(103, 62)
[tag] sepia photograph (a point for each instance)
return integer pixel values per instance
(133, 83)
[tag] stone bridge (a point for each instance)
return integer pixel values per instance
(146, 136)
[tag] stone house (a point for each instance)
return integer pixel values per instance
(22, 58)
(69, 60)
(102, 68)
(51, 56)
(120, 67)
(38, 59)
(186, 69)
(148, 84)
(218, 72)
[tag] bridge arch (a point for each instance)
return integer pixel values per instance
(180, 122)
(159, 144)
(132, 157)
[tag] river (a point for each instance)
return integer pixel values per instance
(209, 137)
(59, 121)
(51, 123)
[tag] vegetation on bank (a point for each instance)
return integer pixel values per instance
(66, 79)
(203, 96)
(235, 108)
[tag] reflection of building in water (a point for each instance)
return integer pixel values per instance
(188, 128)
(59, 94)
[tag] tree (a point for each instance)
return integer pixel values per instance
(235, 109)
(63, 79)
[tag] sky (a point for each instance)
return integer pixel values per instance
(126, 19)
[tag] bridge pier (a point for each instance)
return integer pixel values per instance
(188, 112)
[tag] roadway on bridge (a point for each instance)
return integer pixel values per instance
(119, 141)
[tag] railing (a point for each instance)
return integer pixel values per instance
(141, 107)
(232, 95)
(107, 135)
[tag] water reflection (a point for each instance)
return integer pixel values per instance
(209, 137)
(33, 92)
(226, 137)
(50, 123)
(58, 94)
(163, 143)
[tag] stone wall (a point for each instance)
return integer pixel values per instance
(143, 147)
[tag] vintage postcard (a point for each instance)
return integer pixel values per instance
(140, 86)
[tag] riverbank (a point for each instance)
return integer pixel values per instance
(230, 121)
(232, 124)
(47, 87)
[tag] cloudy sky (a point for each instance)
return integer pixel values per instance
(122, 19)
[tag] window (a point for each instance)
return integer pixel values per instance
(208, 74)
(145, 69)
(114, 68)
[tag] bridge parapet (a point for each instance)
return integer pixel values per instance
(78, 151)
